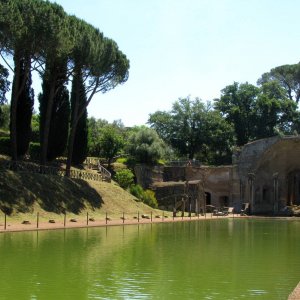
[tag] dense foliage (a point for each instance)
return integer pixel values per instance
(111, 142)
(257, 112)
(194, 130)
(38, 35)
(146, 196)
(145, 145)
(124, 178)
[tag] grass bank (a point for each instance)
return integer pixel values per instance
(24, 194)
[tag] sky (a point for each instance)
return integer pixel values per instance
(186, 48)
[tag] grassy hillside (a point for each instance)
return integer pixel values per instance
(28, 193)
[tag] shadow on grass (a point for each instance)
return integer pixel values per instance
(19, 191)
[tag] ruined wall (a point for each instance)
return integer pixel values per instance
(175, 173)
(146, 175)
(247, 159)
(216, 181)
(171, 195)
(170, 180)
(265, 172)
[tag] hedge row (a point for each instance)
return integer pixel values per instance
(5, 148)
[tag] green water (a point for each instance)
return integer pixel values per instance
(215, 259)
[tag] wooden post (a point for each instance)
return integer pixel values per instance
(151, 216)
(138, 216)
(106, 218)
(163, 215)
(65, 220)
(87, 219)
(37, 220)
(123, 217)
(5, 221)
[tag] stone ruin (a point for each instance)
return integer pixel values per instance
(264, 173)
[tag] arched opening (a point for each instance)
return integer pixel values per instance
(208, 198)
(294, 188)
(224, 201)
(266, 194)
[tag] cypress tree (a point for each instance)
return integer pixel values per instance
(25, 102)
(80, 149)
(59, 123)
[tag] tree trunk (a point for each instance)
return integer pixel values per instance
(14, 104)
(17, 89)
(74, 121)
(72, 136)
(46, 130)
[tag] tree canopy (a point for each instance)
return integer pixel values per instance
(42, 36)
(111, 142)
(257, 112)
(192, 127)
(145, 146)
(288, 77)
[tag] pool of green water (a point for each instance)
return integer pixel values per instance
(213, 259)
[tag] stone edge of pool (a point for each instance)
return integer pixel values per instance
(295, 295)
(82, 224)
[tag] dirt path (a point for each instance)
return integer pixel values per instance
(29, 226)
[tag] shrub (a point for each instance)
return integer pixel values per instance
(5, 145)
(137, 191)
(122, 160)
(34, 151)
(124, 178)
(149, 198)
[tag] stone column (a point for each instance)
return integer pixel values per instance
(296, 200)
(251, 191)
(275, 193)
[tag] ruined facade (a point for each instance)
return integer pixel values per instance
(264, 173)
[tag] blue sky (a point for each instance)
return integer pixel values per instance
(178, 48)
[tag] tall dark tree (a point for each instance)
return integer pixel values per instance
(103, 66)
(56, 53)
(59, 123)
(80, 148)
(24, 31)
(24, 111)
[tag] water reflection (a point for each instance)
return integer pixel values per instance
(213, 259)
